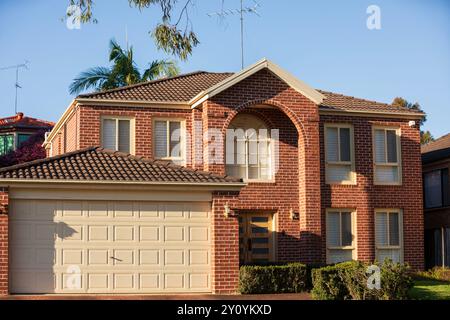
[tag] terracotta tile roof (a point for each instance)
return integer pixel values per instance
(180, 88)
(438, 144)
(20, 121)
(184, 87)
(335, 101)
(97, 164)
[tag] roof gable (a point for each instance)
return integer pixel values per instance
(285, 76)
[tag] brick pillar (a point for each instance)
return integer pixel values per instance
(225, 245)
(311, 236)
(3, 241)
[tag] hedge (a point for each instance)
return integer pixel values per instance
(288, 278)
(348, 280)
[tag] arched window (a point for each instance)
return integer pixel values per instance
(248, 149)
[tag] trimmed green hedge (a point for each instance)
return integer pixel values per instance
(289, 278)
(348, 280)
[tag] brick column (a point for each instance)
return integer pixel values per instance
(3, 241)
(225, 245)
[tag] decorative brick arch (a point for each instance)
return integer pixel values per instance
(286, 110)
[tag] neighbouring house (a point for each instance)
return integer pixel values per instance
(144, 191)
(436, 165)
(17, 129)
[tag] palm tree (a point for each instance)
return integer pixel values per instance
(123, 72)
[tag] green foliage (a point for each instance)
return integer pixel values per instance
(289, 278)
(437, 273)
(348, 280)
(123, 71)
(175, 37)
(425, 136)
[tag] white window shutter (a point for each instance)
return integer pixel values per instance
(124, 136)
(175, 139)
(380, 146)
(387, 174)
(339, 255)
(381, 236)
(332, 144)
(339, 173)
(160, 139)
(109, 134)
(333, 229)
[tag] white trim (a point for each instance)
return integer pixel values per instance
(133, 103)
(47, 183)
(70, 109)
(295, 83)
(364, 113)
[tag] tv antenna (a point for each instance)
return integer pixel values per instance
(17, 86)
(241, 11)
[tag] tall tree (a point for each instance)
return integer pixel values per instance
(173, 34)
(123, 71)
(425, 136)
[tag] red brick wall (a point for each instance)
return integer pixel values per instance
(297, 183)
(225, 245)
(90, 121)
(365, 197)
(3, 241)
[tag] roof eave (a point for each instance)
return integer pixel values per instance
(384, 114)
(217, 186)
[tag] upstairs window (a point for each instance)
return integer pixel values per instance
(436, 189)
(249, 149)
(386, 148)
(6, 143)
(116, 134)
(168, 139)
(339, 159)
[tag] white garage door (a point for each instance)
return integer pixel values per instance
(61, 246)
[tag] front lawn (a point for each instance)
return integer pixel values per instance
(430, 289)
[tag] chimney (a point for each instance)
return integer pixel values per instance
(19, 115)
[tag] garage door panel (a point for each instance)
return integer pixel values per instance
(116, 246)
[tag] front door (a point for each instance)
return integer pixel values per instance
(255, 237)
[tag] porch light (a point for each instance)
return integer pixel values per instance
(293, 215)
(226, 211)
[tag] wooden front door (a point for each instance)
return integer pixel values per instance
(255, 237)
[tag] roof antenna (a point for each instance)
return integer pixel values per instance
(17, 86)
(223, 13)
(126, 35)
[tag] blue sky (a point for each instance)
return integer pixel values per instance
(324, 42)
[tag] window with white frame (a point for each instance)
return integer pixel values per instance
(388, 235)
(248, 149)
(168, 139)
(117, 134)
(341, 239)
(339, 159)
(387, 169)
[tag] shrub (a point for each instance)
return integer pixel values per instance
(289, 278)
(437, 273)
(348, 280)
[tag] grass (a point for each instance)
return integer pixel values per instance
(430, 289)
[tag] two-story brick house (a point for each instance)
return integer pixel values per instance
(436, 166)
(335, 178)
